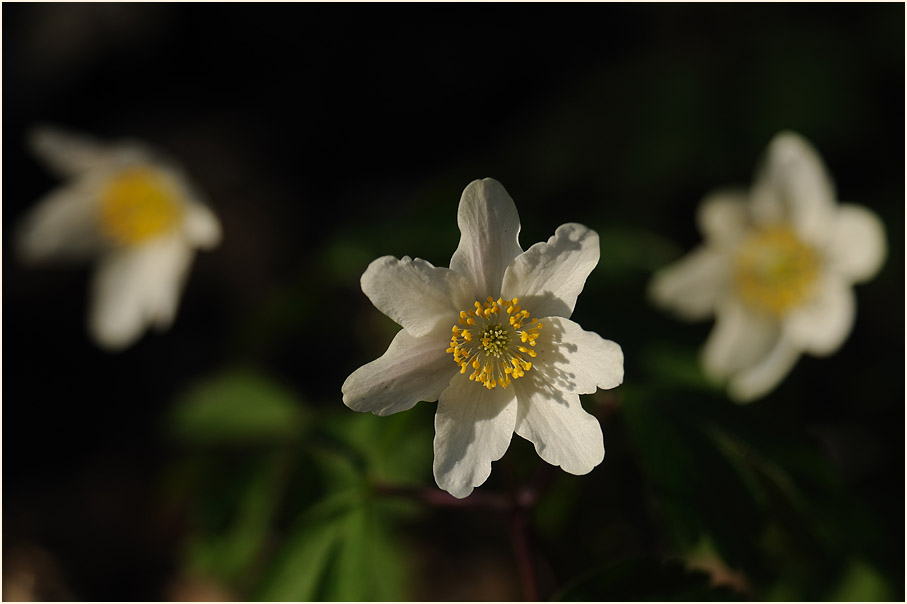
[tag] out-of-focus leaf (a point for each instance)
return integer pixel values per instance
(699, 488)
(679, 366)
(369, 565)
(645, 580)
(238, 407)
(339, 550)
(396, 449)
(625, 249)
(297, 571)
(861, 583)
(232, 552)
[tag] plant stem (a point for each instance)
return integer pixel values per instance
(435, 497)
(518, 507)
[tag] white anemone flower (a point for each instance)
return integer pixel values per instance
(491, 339)
(129, 210)
(776, 270)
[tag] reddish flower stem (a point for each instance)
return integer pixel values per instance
(517, 507)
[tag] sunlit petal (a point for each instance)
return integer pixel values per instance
(412, 370)
(563, 433)
(418, 296)
(574, 360)
(489, 236)
(473, 427)
(549, 276)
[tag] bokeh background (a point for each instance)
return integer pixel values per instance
(217, 461)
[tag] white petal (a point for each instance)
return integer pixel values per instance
(62, 226)
(416, 295)
(723, 217)
(694, 285)
(412, 370)
(739, 339)
(759, 379)
(793, 186)
(489, 236)
(66, 153)
(857, 247)
(563, 433)
(548, 277)
(201, 226)
(473, 427)
(821, 325)
(574, 360)
(135, 288)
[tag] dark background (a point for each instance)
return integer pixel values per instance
(327, 135)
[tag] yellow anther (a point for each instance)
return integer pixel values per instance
(495, 352)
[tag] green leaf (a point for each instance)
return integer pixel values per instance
(298, 569)
(676, 365)
(339, 550)
(369, 565)
(395, 449)
(232, 552)
(699, 488)
(237, 407)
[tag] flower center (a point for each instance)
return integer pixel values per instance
(138, 204)
(496, 350)
(774, 270)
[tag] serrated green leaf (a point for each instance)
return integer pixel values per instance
(297, 571)
(395, 449)
(339, 550)
(368, 566)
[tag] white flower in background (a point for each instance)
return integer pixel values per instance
(490, 339)
(132, 212)
(776, 269)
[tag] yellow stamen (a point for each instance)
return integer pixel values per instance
(138, 204)
(774, 270)
(493, 349)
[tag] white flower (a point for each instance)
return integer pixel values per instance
(490, 339)
(135, 214)
(776, 269)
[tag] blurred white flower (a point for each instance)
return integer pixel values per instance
(490, 339)
(128, 209)
(776, 269)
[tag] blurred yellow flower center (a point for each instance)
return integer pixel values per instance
(138, 204)
(774, 270)
(491, 340)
